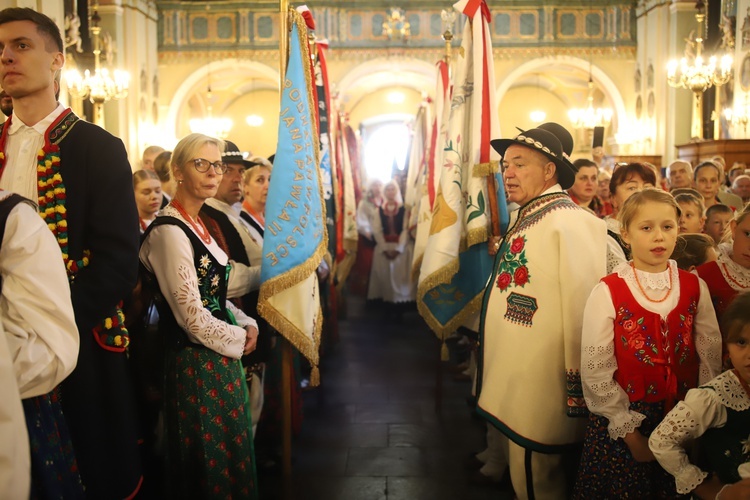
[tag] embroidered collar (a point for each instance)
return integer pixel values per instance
(40, 127)
(541, 201)
(652, 281)
(729, 391)
(734, 274)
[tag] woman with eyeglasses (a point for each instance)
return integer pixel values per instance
(209, 449)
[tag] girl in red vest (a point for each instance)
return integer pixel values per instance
(649, 335)
(720, 412)
(730, 274)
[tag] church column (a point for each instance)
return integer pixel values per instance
(680, 111)
(131, 118)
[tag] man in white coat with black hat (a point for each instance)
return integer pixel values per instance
(547, 264)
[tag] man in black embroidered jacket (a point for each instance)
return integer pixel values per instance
(80, 175)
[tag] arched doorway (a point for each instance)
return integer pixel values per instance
(556, 84)
(244, 91)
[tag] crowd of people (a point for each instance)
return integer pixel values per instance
(135, 363)
(614, 332)
(601, 351)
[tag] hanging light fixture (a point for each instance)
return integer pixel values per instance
(102, 86)
(210, 125)
(692, 72)
(589, 117)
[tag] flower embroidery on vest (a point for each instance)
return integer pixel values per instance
(637, 339)
(684, 337)
(512, 269)
(208, 282)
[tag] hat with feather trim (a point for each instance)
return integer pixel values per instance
(550, 139)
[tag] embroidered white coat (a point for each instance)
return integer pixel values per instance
(550, 260)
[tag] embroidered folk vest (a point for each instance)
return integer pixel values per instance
(725, 447)
(656, 359)
(212, 285)
(722, 294)
(392, 224)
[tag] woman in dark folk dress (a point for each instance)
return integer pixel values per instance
(207, 413)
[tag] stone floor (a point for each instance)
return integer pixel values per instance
(371, 431)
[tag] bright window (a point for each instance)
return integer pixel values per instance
(386, 146)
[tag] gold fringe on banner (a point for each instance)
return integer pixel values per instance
(477, 235)
(485, 169)
(294, 335)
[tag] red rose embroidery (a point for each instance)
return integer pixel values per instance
(689, 321)
(517, 245)
(636, 342)
(629, 325)
(504, 280)
(521, 276)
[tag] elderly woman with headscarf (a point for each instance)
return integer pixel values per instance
(390, 277)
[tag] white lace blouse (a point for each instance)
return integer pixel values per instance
(735, 275)
(701, 410)
(615, 255)
(167, 253)
(603, 394)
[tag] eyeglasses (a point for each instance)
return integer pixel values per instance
(202, 165)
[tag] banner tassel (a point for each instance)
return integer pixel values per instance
(315, 376)
(444, 354)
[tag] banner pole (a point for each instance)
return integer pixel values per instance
(286, 347)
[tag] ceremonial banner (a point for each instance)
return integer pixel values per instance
(431, 172)
(456, 264)
(350, 237)
(295, 238)
(327, 166)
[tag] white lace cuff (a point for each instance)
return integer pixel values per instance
(689, 478)
(624, 423)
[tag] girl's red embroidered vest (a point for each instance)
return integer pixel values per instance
(722, 294)
(656, 359)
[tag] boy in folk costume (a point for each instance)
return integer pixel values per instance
(549, 260)
(80, 177)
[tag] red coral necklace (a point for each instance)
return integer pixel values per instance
(200, 228)
(643, 292)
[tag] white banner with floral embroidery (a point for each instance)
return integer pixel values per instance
(433, 165)
(456, 264)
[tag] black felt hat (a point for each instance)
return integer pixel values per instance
(550, 139)
(232, 154)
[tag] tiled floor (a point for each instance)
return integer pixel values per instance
(371, 431)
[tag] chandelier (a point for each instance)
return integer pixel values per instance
(103, 85)
(590, 117)
(396, 26)
(210, 125)
(692, 71)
